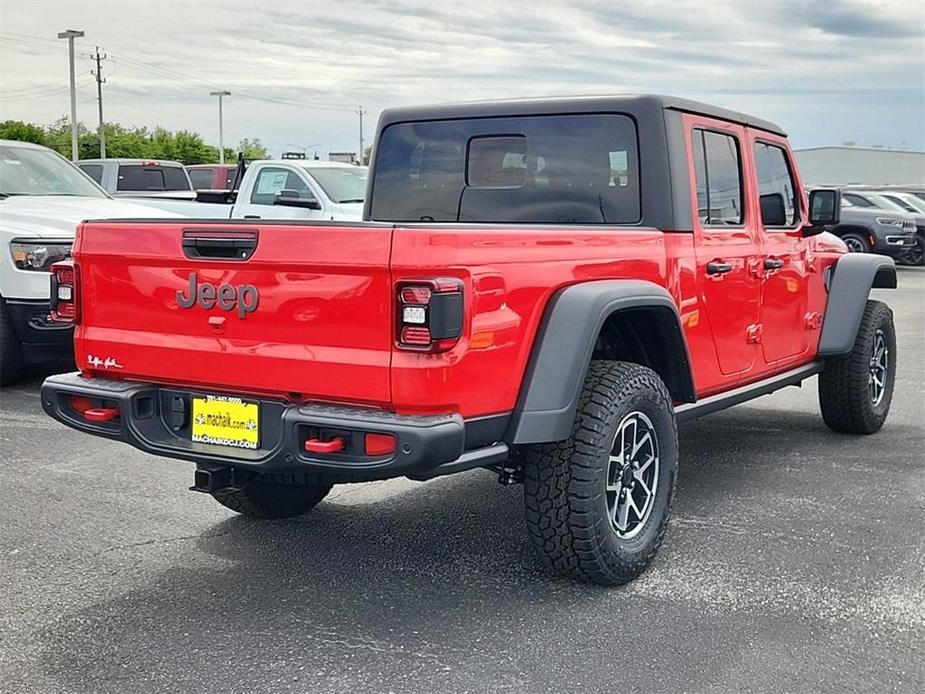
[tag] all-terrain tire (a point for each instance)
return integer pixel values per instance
(11, 359)
(565, 483)
(261, 498)
(845, 385)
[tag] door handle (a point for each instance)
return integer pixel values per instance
(773, 263)
(718, 268)
(252, 216)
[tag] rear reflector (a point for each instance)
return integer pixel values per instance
(379, 444)
(80, 404)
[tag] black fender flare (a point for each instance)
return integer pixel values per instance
(852, 277)
(565, 342)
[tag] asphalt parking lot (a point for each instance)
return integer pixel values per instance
(795, 561)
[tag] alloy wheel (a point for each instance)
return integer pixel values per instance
(632, 474)
(854, 245)
(879, 366)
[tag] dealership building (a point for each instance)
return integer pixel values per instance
(860, 165)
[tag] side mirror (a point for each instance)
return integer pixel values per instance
(824, 210)
(291, 198)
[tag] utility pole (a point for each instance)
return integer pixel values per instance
(99, 97)
(360, 112)
(70, 35)
(221, 137)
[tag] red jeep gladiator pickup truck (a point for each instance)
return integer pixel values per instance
(543, 288)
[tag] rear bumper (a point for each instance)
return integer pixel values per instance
(152, 419)
(41, 340)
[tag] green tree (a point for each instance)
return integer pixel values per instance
(24, 132)
(131, 143)
(252, 149)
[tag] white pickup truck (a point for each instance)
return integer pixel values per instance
(287, 189)
(43, 197)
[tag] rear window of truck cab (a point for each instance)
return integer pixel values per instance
(563, 169)
(151, 177)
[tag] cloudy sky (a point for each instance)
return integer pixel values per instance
(828, 71)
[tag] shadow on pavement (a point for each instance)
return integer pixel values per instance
(435, 584)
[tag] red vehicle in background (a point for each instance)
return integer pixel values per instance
(543, 288)
(212, 176)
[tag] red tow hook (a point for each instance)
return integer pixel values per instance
(318, 446)
(102, 414)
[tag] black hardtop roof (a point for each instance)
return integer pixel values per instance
(628, 103)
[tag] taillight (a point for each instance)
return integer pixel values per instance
(65, 304)
(430, 314)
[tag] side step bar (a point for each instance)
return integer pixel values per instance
(715, 403)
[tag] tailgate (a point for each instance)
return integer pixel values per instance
(299, 309)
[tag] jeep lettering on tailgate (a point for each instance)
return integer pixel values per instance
(227, 296)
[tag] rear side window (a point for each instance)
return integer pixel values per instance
(573, 169)
(718, 173)
(94, 171)
(201, 178)
(146, 177)
(777, 194)
(857, 200)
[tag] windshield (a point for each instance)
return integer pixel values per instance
(27, 171)
(885, 203)
(909, 202)
(341, 184)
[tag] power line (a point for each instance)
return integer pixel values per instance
(15, 91)
(176, 75)
(50, 44)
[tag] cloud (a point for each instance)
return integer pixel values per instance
(827, 71)
(866, 20)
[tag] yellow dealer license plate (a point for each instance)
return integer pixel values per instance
(226, 421)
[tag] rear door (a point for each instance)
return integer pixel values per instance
(306, 313)
(726, 241)
(785, 262)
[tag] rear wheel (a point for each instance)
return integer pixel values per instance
(856, 243)
(597, 504)
(855, 391)
(262, 498)
(11, 358)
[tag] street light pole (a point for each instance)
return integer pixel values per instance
(221, 135)
(70, 35)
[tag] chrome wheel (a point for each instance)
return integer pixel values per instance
(854, 245)
(879, 365)
(632, 474)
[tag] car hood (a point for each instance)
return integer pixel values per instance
(869, 214)
(45, 216)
